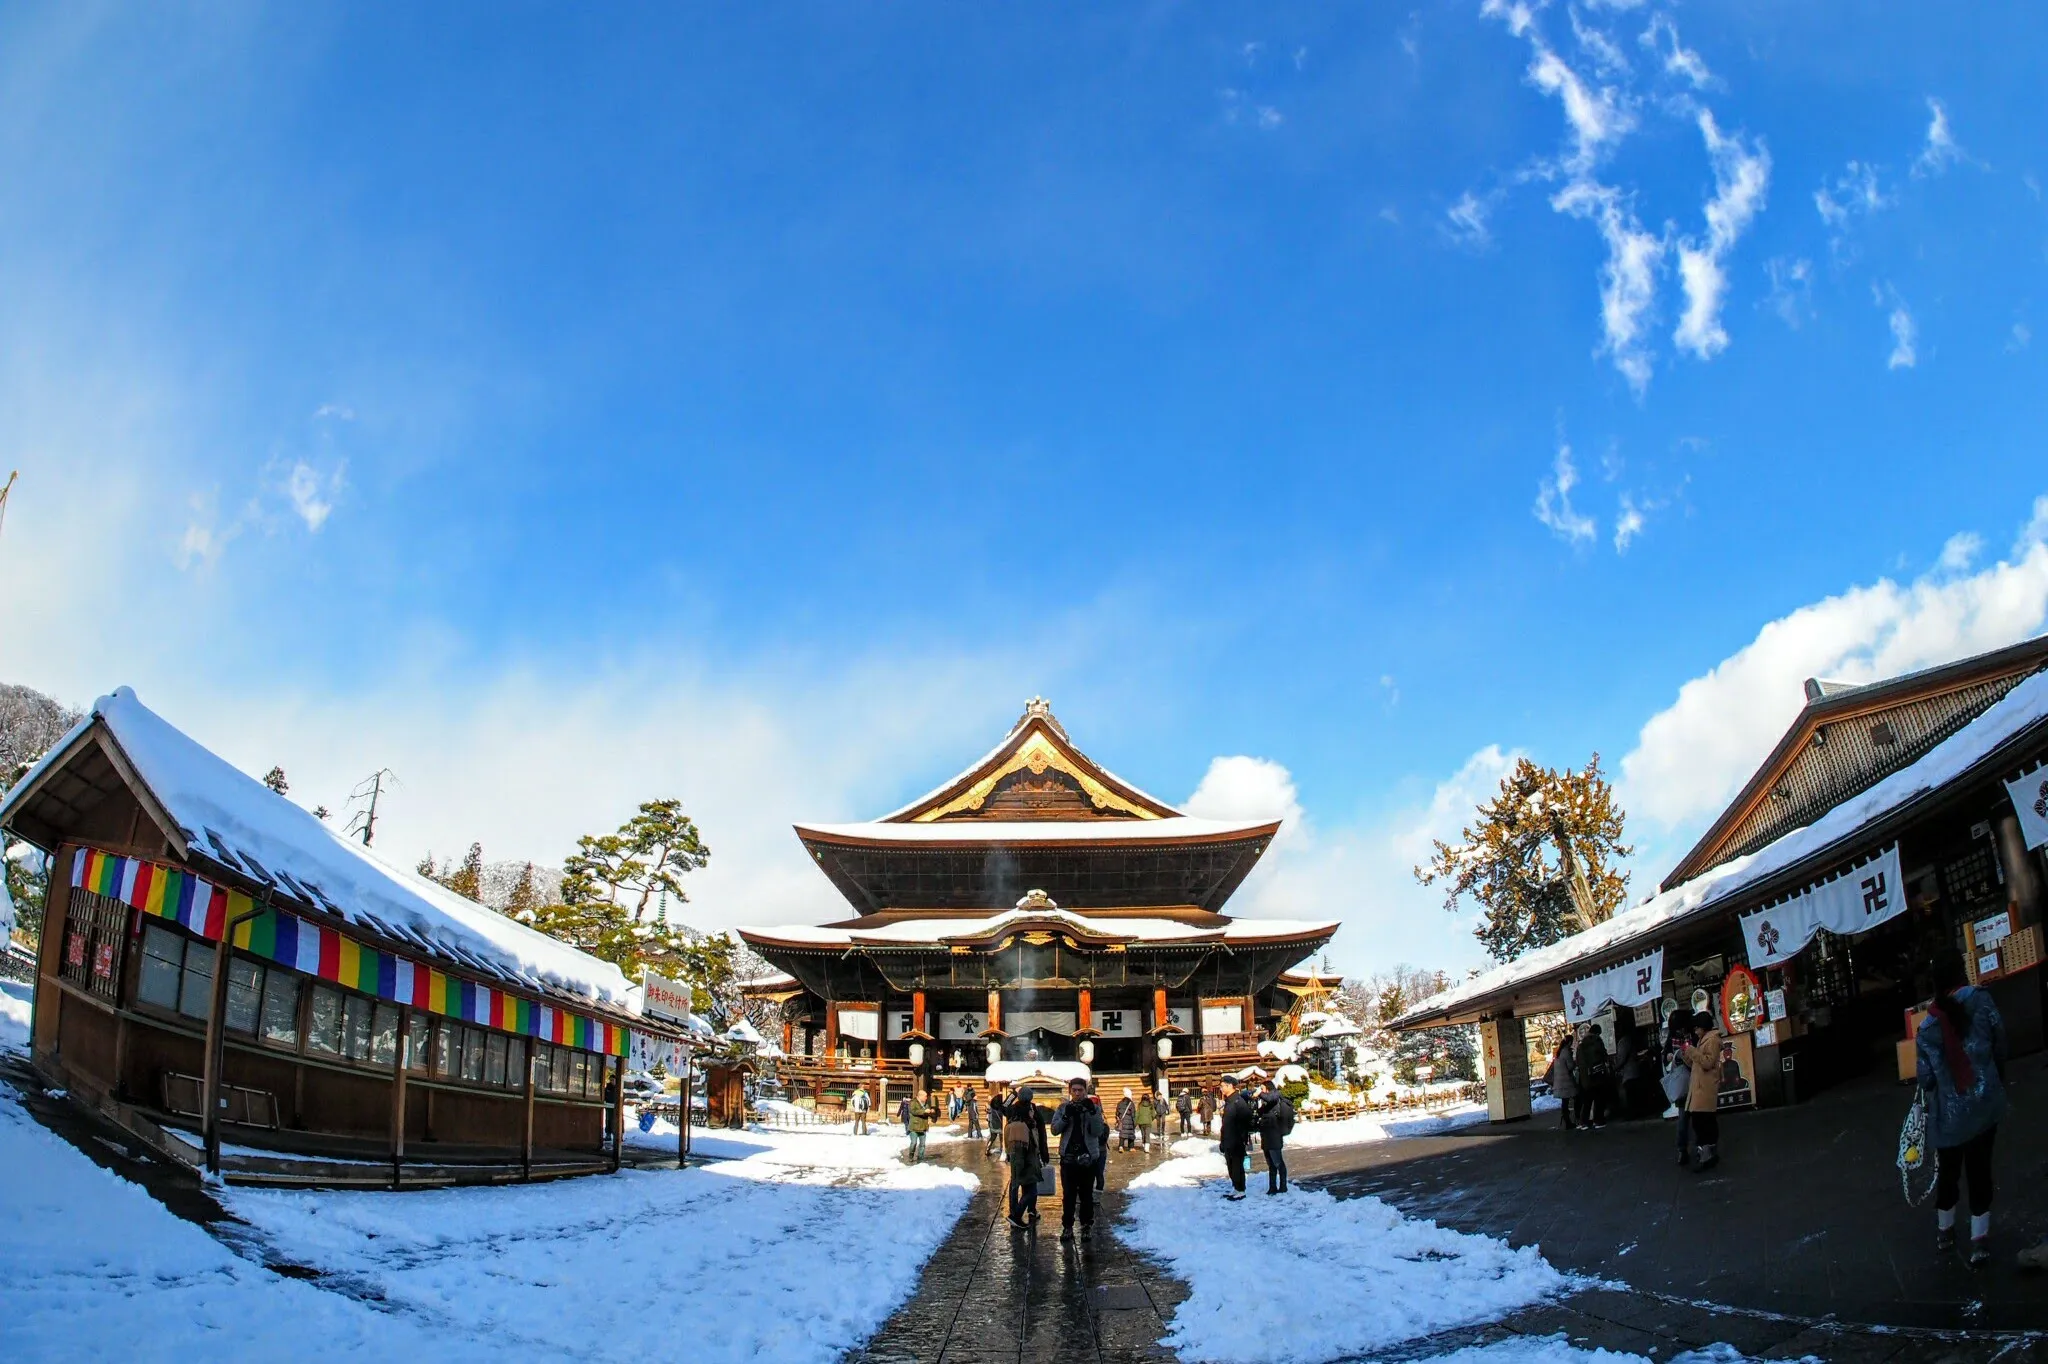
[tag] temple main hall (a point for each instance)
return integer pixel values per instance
(1034, 916)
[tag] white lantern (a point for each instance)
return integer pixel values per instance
(917, 1053)
(1166, 1048)
(1087, 1052)
(995, 1052)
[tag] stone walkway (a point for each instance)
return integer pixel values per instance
(993, 1293)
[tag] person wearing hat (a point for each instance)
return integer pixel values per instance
(1235, 1136)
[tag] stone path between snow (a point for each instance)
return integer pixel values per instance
(993, 1293)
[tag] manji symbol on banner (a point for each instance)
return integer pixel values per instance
(1626, 985)
(2030, 802)
(1855, 900)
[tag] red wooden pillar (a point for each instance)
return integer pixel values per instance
(1159, 1008)
(831, 1030)
(995, 1011)
(788, 1037)
(917, 1011)
(1087, 1008)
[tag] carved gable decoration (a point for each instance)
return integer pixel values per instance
(1038, 775)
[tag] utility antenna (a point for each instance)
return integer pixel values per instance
(3, 495)
(370, 788)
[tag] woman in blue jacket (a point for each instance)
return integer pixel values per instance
(1961, 1053)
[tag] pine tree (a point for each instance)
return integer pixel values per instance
(525, 897)
(274, 779)
(467, 880)
(426, 867)
(1540, 859)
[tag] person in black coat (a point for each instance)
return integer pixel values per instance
(1084, 1137)
(1235, 1135)
(998, 1113)
(1596, 1079)
(1276, 1119)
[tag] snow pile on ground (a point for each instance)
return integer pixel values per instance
(1559, 1350)
(835, 1145)
(14, 1015)
(1331, 1277)
(749, 1258)
(92, 1267)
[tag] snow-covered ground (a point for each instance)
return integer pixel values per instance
(1331, 1277)
(831, 1146)
(14, 1011)
(787, 1253)
(1381, 1126)
(1558, 1350)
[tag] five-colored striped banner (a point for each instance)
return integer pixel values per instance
(285, 938)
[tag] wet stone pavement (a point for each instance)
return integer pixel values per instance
(992, 1292)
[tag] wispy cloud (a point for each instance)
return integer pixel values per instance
(1628, 279)
(1466, 220)
(1554, 500)
(2019, 338)
(1941, 150)
(312, 493)
(1905, 333)
(1742, 178)
(1855, 191)
(1661, 37)
(1791, 289)
(1598, 44)
(1628, 524)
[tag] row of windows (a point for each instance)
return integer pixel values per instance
(263, 1003)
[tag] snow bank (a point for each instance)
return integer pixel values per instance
(14, 1015)
(1331, 1277)
(835, 1146)
(748, 1257)
(94, 1268)
(1559, 1350)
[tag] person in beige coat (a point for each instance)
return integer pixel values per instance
(1702, 1098)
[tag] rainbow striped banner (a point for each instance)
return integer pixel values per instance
(290, 941)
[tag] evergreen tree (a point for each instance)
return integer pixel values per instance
(30, 723)
(525, 897)
(28, 885)
(274, 779)
(467, 880)
(1540, 860)
(426, 867)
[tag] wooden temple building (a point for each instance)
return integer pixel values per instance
(234, 983)
(1035, 915)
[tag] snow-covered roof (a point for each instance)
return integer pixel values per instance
(932, 932)
(743, 1031)
(227, 816)
(1057, 732)
(1175, 829)
(2021, 709)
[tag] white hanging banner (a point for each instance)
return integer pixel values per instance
(1018, 1021)
(961, 1025)
(1626, 985)
(1117, 1022)
(897, 1021)
(2030, 801)
(864, 1024)
(1851, 901)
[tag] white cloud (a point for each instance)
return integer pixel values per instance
(1905, 333)
(1269, 118)
(1791, 289)
(340, 412)
(1691, 757)
(1243, 788)
(1628, 524)
(2018, 338)
(1554, 500)
(1598, 45)
(1661, 37)
(1941, 150)
(1628, 278)
(1854, 191)
(1742, 178)
(312, 494)
(1598, 118)
(1467, 220)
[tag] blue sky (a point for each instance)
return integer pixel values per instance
(564, 408)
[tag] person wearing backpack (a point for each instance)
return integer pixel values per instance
(1084, 1136)
(860, 1112)
(1960, 1053)
(1276, 1120)
(1596, 1078)
(1024, 1132)
(1126, 1121)
(1184, 1105)
(1235, 1135)
(919, 1122)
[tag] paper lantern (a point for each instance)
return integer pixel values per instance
(1166, 1048)
(995, 1052)
(917, 1053)
(1087, 1052)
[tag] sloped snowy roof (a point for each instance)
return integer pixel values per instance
(931, 932)
(1171, 830)
(228, 817)
(2023, 708)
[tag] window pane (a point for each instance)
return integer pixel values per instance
(579, 1072)
(515, 1065)
(445, 1063)
(281, 1008)
(420, 1042)
(324, 1032)
(494, 1060)
(355, 1020)
(384, 1035)
(245, 995)
(195, 989)
(162, 955)
(472, 1055)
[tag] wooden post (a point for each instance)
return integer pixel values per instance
(1086, 1008)
(788, 1037)
(398, 1060)
(216, 1055)
(526, 1138)
(995, 1010)
(689, 1083)
(1158, 1008)
(917, 1011)
(831, 1030)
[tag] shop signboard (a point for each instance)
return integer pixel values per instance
(2030, 802)
(664, 998)
(1854, 900)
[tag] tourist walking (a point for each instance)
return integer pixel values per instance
(1126, 1121)
(1703, 1095)
(903, 1113)
(1083, 1136)
(1184, 1106)
(1147, 1118)
(1206, 1106)
(1678, 1078)
(1101, 1156)
(860, 1111)
(1276, 1120)
(1235, 1136)
(919, 1123)
(970, 1105)
(1960, 1052)
(998, 1115)
(1564, 1082)
(1024, 1134)
(1595, 1070)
